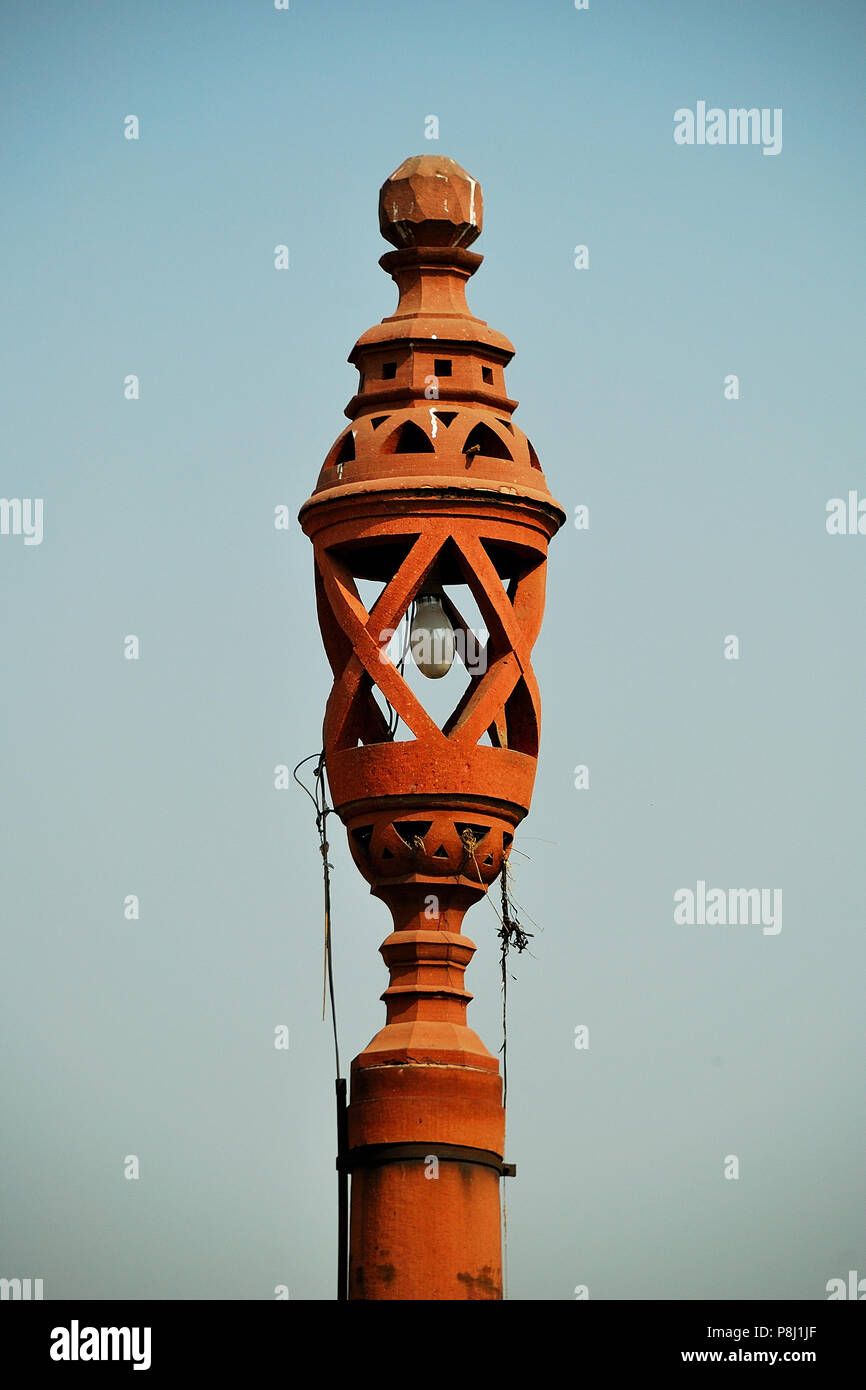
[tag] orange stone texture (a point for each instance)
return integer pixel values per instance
(429, 483)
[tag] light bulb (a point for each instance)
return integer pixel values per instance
(432, 638)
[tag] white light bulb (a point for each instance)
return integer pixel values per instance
(432, 638)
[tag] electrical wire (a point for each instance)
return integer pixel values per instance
(323, 810)
(408, 618)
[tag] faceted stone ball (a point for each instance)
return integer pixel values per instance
(430, 201)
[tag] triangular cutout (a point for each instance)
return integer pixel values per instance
(362, 837)
(476, 831)
(510, 562)
(346, 451)
(412, 830)
(378, 559)
(409, 438)
(486, 442)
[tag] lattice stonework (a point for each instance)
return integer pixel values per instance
(432, 485)
(501, 700)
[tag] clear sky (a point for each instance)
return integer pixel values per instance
(155, 257)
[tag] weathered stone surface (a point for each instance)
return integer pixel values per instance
(430, 201)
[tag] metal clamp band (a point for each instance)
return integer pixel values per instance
(375, 1155)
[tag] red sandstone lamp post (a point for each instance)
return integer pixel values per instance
(432, 489)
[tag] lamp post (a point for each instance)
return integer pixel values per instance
(432, 491)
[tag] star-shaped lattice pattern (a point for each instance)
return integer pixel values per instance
(502, 699)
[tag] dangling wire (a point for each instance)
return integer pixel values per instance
(511, 935)
(393, 716)
(323, 810)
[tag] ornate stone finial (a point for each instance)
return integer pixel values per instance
(430, 201)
